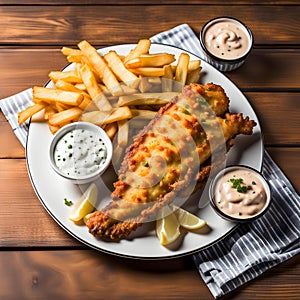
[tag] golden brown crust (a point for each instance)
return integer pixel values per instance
(171, 154)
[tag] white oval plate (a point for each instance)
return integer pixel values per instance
(52, 189)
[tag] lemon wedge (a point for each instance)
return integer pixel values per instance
(167, 227)
(188, 220)
(86, 203)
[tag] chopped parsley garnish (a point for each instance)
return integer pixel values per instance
(145, 164)
(237, 184)
(68, 202)
(186, 112)
(253, 183)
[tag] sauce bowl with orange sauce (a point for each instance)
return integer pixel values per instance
(226, 43)
(239, 194)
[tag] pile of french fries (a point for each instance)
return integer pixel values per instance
(108, 90)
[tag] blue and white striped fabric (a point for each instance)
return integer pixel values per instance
(252, 248)
(10, 107)
(258, 246)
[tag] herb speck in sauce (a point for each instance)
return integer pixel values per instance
(74, 153)
(240, 192)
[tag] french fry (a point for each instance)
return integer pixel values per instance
(154, 80)
(80, 86)
(53, 129)
(49, 110)
(151, 60)
(69, 76)
(193, 64)
(72, 114)
(117, 66)
(74, 58)
(148, 71)
(87, 104)
(66, 86)
(50, 95)
(142, 47)
(117, 155)
(182, 68)
(123, 132)
(193, 76)
(109, 90)
(143, 113)
(146, 99)
(61, 106)
(128, 90)
(30, 111)
(73, 55)
(98, 64)
(103, 117)
(70, 51)
(93, 88)
(167, 80)
(111, 129)
(144, 85)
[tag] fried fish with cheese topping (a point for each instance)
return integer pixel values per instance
(171, 156)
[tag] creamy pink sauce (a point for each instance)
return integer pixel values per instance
(227, 39)
(236, 203)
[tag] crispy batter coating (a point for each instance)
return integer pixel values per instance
(171, 155)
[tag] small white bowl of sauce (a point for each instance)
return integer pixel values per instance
(80, 152)
(239, 194)
(226, 43)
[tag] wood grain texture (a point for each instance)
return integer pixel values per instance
(149, 2)
(91, 275)
(66, 25)
(25, 223)
(278, 113)
(264, 70)
(39, 260)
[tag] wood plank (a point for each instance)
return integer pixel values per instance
(23, 68)
(57, 25)
(269, 69)
(151, 2)
(265, 70)
(24, 221)
(11, 147)
(35, 228)
(92, 275)
(288, 160)
(278, 114)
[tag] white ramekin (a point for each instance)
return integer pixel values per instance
(224, 65)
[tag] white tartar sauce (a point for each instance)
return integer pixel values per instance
(80, 152)
(227, 39)
(240, 194)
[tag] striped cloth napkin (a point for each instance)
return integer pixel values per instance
(250, 249)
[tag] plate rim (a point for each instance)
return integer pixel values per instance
(136, 257)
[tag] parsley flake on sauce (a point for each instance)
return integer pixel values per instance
(237, 184)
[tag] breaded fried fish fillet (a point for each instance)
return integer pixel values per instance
(172, 155)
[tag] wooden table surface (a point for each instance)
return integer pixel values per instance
(38, 259)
